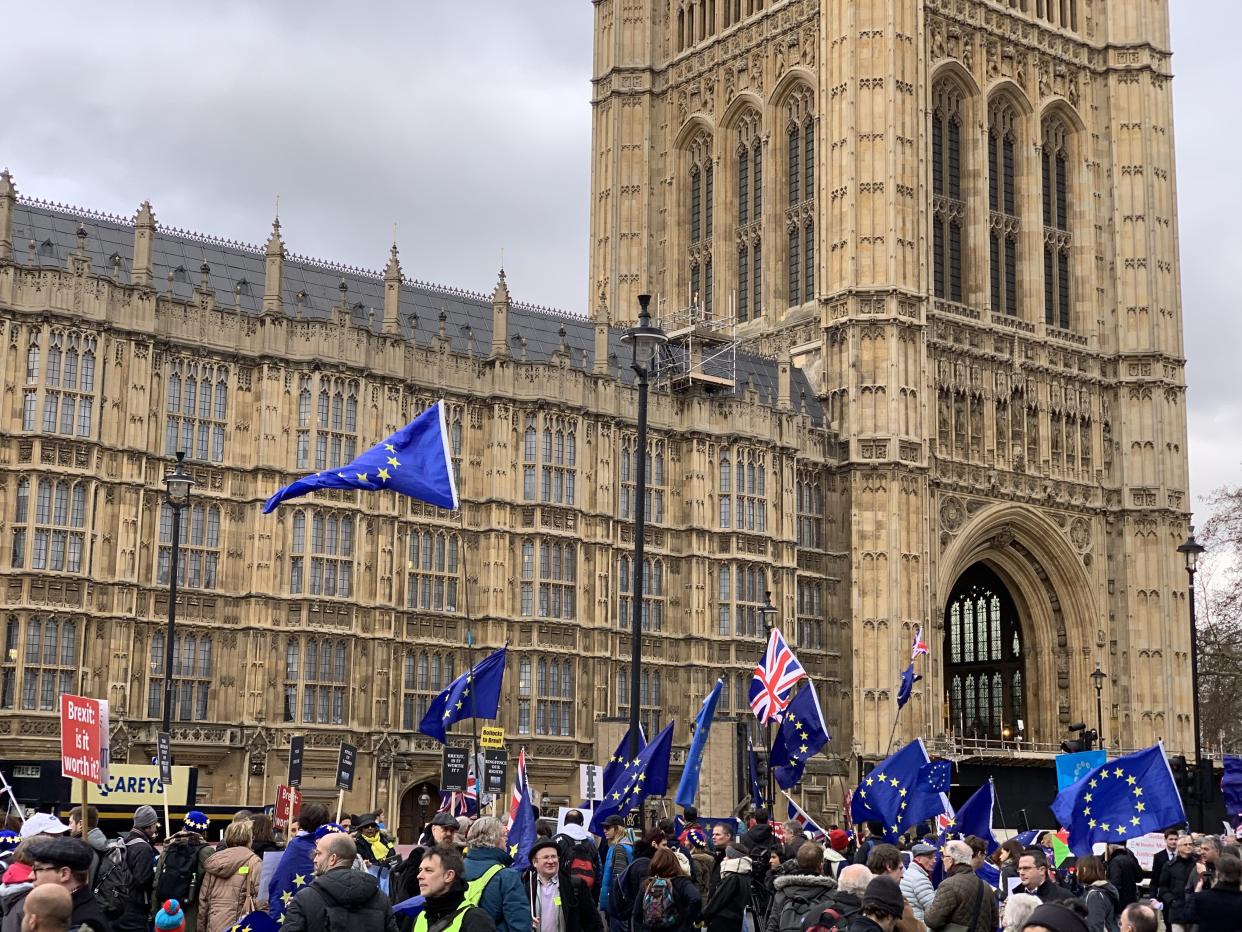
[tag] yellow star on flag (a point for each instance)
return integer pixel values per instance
(803, 749)
(1119, 772)
(299, 880)
(1140, 807)
(286, 897)
(383, 474)
(903, 791)
(390, 448)
(1091, 823)
(1134, 820)
(1086, 810)
(281, 920)
(1130, 779)
(1086, 798)
(362, 477)
(1104, 826)
(1092, 784)
(392, 461)
(1138, 791)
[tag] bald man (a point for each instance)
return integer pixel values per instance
(47, 909)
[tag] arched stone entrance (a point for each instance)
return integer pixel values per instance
(985, 663)
(414, 812)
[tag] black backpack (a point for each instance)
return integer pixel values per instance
(179, 877)
(113, 880)
(823, 918)
(579, 859)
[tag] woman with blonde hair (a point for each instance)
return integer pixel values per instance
(231, 883)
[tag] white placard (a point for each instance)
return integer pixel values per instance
(1145, 847)
(591, 781)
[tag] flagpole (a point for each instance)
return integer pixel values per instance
(996, 798)
(892, 734)
(474, 722)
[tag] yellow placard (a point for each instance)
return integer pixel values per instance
(139, 784)
(491, 737)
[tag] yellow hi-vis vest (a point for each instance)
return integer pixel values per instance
(474, 892)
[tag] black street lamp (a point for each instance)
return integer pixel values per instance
(1191, 551)
(178, 483)
(768, 611)
(645, 341)
(1098, 678)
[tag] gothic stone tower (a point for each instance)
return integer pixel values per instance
(958, 217)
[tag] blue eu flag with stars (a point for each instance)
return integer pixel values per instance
(415, 461)
(802, 735)
(620, 757)
(474, 694)
(1127, 797)
(646, 775)
(688, 788)
(903, 790)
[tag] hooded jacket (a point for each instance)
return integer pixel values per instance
(503, 898)
(800, 891)
(230, 888)
(1102, 907)
(97, 841)
(730, 897)
(1124, 873)
(1216, 910)
(342, 898)
(190, 906)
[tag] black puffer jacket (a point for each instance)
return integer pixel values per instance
(352, 898)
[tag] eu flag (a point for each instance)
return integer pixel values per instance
(646, 775)
(415, 461)
(908, 679)
(621, 757)
(756, 785)
(1231, 786)
(901, 791)
(1127, 797)
(688, 787)
(974, 818)
(474, 694)
(802, 735)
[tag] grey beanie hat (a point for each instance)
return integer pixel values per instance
(144, 816)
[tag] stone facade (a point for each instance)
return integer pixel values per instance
(959, 218)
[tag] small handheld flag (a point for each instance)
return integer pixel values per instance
(920, 647)
(456, 704)
(688, 788)
(415, 461)
(799, 815)
(775, 675)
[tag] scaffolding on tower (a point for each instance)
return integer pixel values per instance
(701, 350)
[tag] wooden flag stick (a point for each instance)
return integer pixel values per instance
(340, 805)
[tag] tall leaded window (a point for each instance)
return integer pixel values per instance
(653, 593)
(42, 658)
(197, 402)
(432, 570)
(558, 575)
(740, 589)
(741, 490)
(423, 676)
(549, 459)
(655, 480)
(524, 695)
(810, 614)
(59, 397)
(316, 671)
(192, 676)
(800, 197)
(700, 184)
(749, 175)
(948, 207)
(49, 525)
(1004, 225)
(321, 560)
(983, 647)
(327, 431)
(200, 546)
(555, 691)
(810, 504)
(650, 698)
(1057, 236)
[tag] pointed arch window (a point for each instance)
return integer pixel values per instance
(64, 389)
(550, 459)
(655, 480)
(200, 546)
(424, 675)
(700, 182)
(47, 667)
(749, 176)
(197, 408)
(50, 535)
(948, 208)
(1058, 239)
(315, 673)
(1004, 223)
(653, 593)
(192, 676)
(800, 197)
(432, 570)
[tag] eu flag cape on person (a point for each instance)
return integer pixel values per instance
(688, 787)
(802, 735)
(621, 757)
(416, 461)
(522, 825)
(1127, 797)
(903, 790)
(646, 775)
(457, 702)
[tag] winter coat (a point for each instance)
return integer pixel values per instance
(352, 897)
(439, 908)
(917, 888)
(1050, 892)
(1161, 861)
(1216, 910)
(704, 864)
(190, 906)
(295, 870)
(97, 841)
(1173, 880)
(955, 902)
(800, 892)
(849, 905)
(1102, 907)
(87, 912)
(759, 839)
(616, 860)
(503, 898)
(12, 898)
(140, 858)
(1124, 873)
(230, 888)
(578, 912)
(724, 909)
(688, 904)
(389, 858)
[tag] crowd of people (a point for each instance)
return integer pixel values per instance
(674, 876)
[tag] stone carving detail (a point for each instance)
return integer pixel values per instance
(1080, 534)
(952, 514)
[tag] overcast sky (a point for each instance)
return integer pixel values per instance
(468, 125)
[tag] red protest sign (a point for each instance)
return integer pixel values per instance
(84, 738)
(288, 805)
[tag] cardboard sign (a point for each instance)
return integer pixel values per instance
(163, 756)
(495, 770)
(454, 768)
(288, 805)
(346, 764)
(140, 784)
(84, 738)
(297, 748)
(492, 737)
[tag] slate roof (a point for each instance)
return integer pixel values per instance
(46, 235)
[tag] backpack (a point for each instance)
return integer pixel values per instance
(825, 919)
(113, 880)
(793, 910)
(659, 904)
(578, 858)
(179, 877)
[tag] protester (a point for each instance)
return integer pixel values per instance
(1006, 857)
(794, 894)
(262, 836)
(43, 823)
(689, 822)
(871, 834)
(9, 841)
(230, 887)
(377, 851)
(1174, 880)
(67, 862)
(1103, 903)
(296, 868)
(180, 869)
(1016, 910)
(403, 881)
(794, 839)
(962, 898)
(620, 854)
(48, 909)
(502, 898)
(704, 864)
(441, 880)
(1034, 877)
(1138, 917)
(558, 900)
(340, 897)
(667, 901)
(669, 828)
(1163, 858)
(882, 906)
(95, 839)
(170, 917)
(1209, 853)
(730, 896)
(1218, 908)
(1124, 873)
(759, 840)
(722, 837)
(140, 866)
(916, 885)
(886, 861)
(578, 854)
(1064, 916)
(630, 882)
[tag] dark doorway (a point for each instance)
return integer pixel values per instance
(418, 805)
(984, 668)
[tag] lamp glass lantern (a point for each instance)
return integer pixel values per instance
(645, 339)
(1191, 550)
(178, 483)
(1098, 678)
(767, 609)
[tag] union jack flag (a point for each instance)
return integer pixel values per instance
(462, 804)
(775, 676)
(519, 785)
(920, 646)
